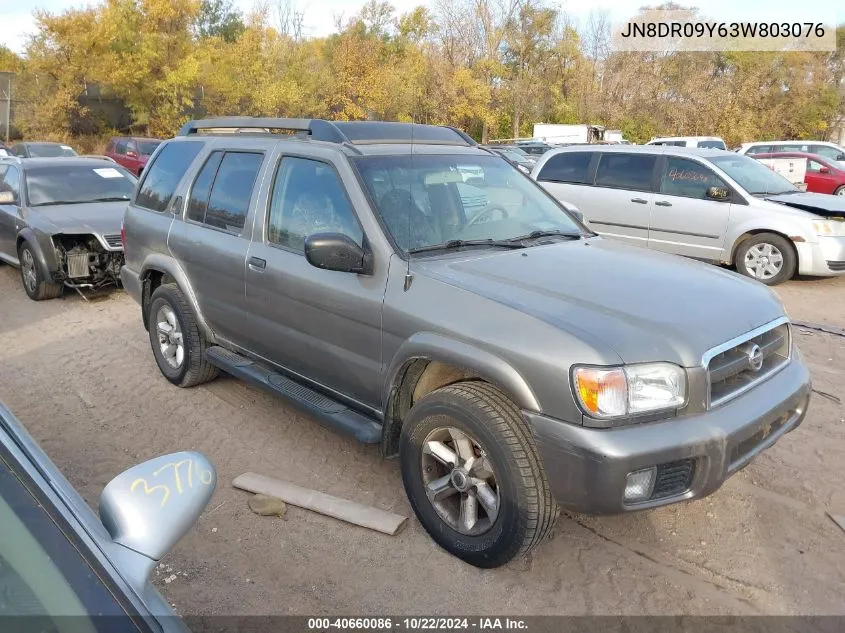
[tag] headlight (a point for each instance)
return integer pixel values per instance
(614, 392)
(829, 228)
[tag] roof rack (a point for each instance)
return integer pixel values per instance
(351, 132)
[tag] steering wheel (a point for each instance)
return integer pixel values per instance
(488, 210)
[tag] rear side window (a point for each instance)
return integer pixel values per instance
(626, 171)
(711, 144)
(573, 167)
(232, 190)
(200, 192)
(163, 176)
(828, 152)
(759, 149)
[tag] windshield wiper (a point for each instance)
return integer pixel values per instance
(533, 235)
(452, 244)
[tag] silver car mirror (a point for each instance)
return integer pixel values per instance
(149, 507)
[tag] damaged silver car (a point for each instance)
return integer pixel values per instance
(60, 222)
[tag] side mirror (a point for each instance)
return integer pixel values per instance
(336, 251)
(149, 507)
(718, 193)
(824, 169)
(7, 197)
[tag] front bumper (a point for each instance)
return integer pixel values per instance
(823, 258)
(587, 468)
(131, 283)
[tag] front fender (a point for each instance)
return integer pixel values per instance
(795, 231)
(46, 261)
(160, 263)
(433, 346)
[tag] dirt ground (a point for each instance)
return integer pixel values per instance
(82, 378)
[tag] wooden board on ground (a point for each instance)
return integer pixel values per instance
(343, 509)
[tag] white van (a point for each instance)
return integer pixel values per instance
(707, 142)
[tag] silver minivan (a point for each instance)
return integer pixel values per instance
(708, 204)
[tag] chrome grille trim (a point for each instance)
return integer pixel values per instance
(725, 371)
(113, 241)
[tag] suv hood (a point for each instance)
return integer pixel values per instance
(643, 305)
(100, 218)
(818, 203)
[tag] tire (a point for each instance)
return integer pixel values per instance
(840, 191)
(37, 288)
(779, 252)
(190, 368)
(526, 510)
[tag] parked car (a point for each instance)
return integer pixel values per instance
(131, 151)
(830, 151)
(513, 155)
(822, 175)
(41, 149)
(60, 222)
(511, 358)
(708, 204)
(63, 568)
(533, 148)
(708, 142)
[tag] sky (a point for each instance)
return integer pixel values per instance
(16, 15)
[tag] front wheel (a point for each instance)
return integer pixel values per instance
(473, 475)
(766, 257)
(840, 191)
(37, 288)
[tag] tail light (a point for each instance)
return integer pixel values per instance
(123, 237)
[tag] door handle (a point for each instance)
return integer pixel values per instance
(256, 263)
(639, 200)
(663, 203)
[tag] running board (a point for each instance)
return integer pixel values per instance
(328, 411)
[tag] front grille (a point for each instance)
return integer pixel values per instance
(837, 266)
(734, 370)
(673, 478)
(113, 241)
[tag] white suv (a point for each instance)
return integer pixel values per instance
(705, 142)
(831, 151)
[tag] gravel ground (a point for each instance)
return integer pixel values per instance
(81, 377)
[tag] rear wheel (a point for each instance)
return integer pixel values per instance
(36, 287)
(178, 344)
(766, 257)
(473, 475)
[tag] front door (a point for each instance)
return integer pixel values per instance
(684, 220)
(10, 212)
(321, 324)
(819, 179)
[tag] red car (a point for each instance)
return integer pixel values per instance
(131, 151)
(823, 175)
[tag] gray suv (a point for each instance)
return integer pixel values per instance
(410, 289)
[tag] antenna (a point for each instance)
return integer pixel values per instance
(408, 277)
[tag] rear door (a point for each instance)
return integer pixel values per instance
(621, 200)
(209, 243)
(684, 220)
(321, 324)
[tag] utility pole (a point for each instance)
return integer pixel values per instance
(7, 92)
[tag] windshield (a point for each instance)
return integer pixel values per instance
(463, 197)
(77, 184)
(712, 144)
(145, 148)
(752, 175)
(50, 150)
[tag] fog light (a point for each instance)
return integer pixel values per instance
(639, 484)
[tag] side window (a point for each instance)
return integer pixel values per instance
(18, 150)
(824, 150)
(626, 171)
(687, 178)
(308, 198)
(201, 189)
(814, 166)
(232, 190)
(571, 167)
(163, 176)
(120, 147)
